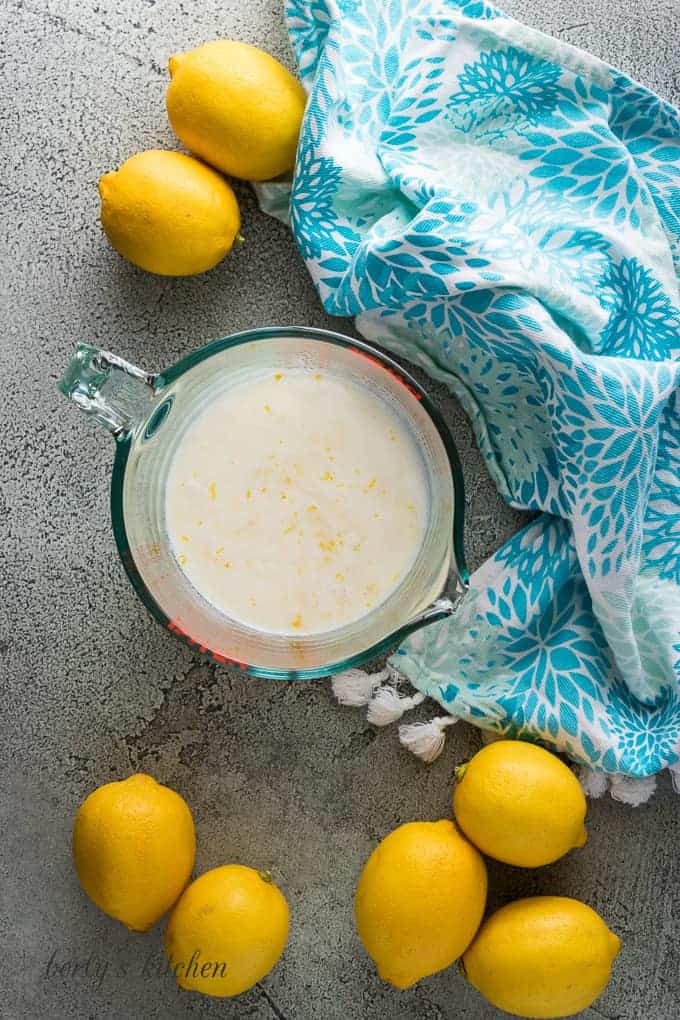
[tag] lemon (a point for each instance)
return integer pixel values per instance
(546, 956)
(520, 804)
(227, 931)
(168, 213)
(134, 848)
(419, 900)
(237, 108)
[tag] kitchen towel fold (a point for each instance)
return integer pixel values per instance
(504, 210)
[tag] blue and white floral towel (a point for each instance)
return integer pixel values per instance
(504, 210)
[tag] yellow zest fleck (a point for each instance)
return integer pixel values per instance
(318, 377)
(220, 550)
(284, 496)
(249, 493)
(267, 409)
(199, 524)
(252, 602)
(212, 489)
(393, 435)
(327, 476)
(296, 621)
(263, 489)
(395, 577)
(227, 564)
(182, 559)
(185, 538)
(339, 577)
(292, 526)
(328, 544)
(357, 547)
(369, 605)
(278, 376)
(312, 508)
(410, 506)
(376, 517)
(383, 492)
(371, 484)
(287, 480)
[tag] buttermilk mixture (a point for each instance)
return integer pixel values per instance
(296, 502)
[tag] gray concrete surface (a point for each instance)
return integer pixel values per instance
(276, 775)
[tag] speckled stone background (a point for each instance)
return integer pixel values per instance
(277, 775)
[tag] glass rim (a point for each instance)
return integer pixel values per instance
(170, 375)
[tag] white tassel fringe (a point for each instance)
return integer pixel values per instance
(630, 790)
(387, 706)
(626, 789)
(594, 784)
(356, 688)
(426, 739)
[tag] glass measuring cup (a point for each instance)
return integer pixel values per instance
(149, 413)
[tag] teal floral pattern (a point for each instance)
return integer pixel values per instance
(506, 82)
(648, 327)
(504, 210)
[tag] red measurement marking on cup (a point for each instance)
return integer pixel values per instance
(223, 660)
(390, 371)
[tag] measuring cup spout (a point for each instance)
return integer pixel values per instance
(114, 392)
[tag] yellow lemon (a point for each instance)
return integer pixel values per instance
(133, 847)
(169, 214)
(520, 804)
(237, 108)
(227, 931)
(546, 956)
(419, 901)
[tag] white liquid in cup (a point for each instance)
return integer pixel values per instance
(297, 502)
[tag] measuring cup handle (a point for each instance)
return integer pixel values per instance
(114, 392)
(445, 605)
